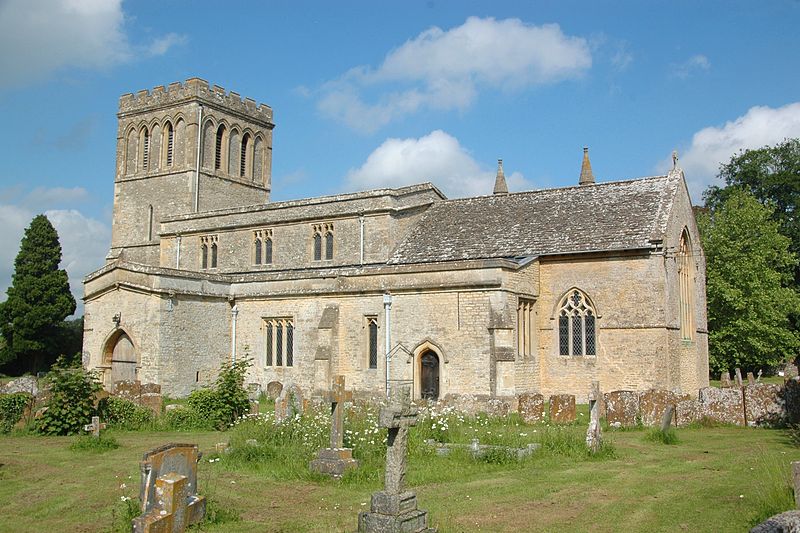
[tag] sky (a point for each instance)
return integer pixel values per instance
(382, 94)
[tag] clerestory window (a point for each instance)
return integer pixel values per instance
(577, 325)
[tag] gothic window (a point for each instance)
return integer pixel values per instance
(218, 147)
(234, 145)
(320, 231)
(258, 160)
(258, 250)
(203, 255)
(329, 245)
(263, 247)
(208, 252)
(686, 276)
(279, 342)
(243, 155)
(150, 223)
(155, 148)
(372, 340)
(169, 133)
(130, 157)
(317, 246)
(577, 332)
(268, 250)
(525, 327)
(213, 255)
(145, 148)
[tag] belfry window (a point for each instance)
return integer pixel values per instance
(218, 147)
(145, 149)
(577, 319)
(170, 143)
(686, 277)
(243, 156)
(279, 342)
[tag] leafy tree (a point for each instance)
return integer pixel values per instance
(749, 266)
(72, 403)
(39, 299)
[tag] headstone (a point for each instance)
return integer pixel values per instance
(652, 404)
(336, 459)
(169, 490)
(622, 408)
(531, 408)
(394, 509)
(253, 391)
(95, 427)
(274, 389)
(562, 409)
(796, 479)
(289, 402)
(751, 379)
(725, 380)
(666, 418)
(593, 434)
(739, 377)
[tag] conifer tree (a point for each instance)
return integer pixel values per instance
(39, 299)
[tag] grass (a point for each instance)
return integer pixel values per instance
(713, 479)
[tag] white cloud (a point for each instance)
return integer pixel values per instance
(694, 64)
(436, 157)
(714, 145)
(38, 37)
(446, 69)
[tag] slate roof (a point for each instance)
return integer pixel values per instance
(608, 216)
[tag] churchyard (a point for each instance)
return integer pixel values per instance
(255, 475)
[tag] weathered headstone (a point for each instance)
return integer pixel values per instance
(687, 410)
(394, 509)
(335, 459)
(751, 379)
(796, 480)
(562, 409)
(168, 490)
(725, 380)
(593, 434)
(289, 402)
(274, 389)
(739, 377)
(622, 408)
(722, 405)
(95, 427)
(666, 418)
(531, 407)
(652, 404)
(764, 404)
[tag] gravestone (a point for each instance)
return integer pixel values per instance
(593, 435)
(168, 490)
(622, 408)
(562, 409)
(725, 380)
(666, 418)
(652, 404)
(394, 509)
(335, 459)
(764, 404)
(722, 405)
(289, 403)
(531, 407)
(687, 410)
(739, 377)
(95, 427)
(751, 379)
(274, 389)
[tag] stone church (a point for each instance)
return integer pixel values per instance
(537, 291)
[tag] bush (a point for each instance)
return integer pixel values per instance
(227, 401)
(72, 403)
(124, 414)
(185, 419)
(12, 407)
(89, 443)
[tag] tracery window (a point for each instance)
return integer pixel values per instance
(208, 252)
(525, 327)
(321, 230)
(577, 325)
(686, 277)
(372, 340)
(279, 341)
(262, 247)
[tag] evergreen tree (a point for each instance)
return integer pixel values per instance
(749, 276)
(39, 299)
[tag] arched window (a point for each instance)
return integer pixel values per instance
(169, 134)
(258, 160)
(258, 250)
(145, 148)
(577, 321)
(213, 255)
(234, 145)
(204, 255)
(317, 246)
(243, 155)
(155, 148)
(218, 147)
(268, 251)
(686, 277)
(209, 138)
(150, 223)
(130, 156)
(329, 244)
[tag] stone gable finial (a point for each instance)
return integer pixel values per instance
(674, 159)
(587, 177)
(500, 186)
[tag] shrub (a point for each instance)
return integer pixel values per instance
(124, 414)
(89, 443)
(227, 401)
(72, 403)
(185, 419)
(12, 407)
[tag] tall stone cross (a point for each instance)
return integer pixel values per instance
(594, 436)
(337, 396)
(95, 427)
(397, 417)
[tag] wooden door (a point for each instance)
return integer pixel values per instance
(123, 360)
(429, 376)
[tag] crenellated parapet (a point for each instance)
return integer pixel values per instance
(178, 93)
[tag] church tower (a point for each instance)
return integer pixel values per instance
(185, 149)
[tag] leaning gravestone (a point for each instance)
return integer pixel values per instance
(336, 459)
(394, 509)
(274, 389)
(594, 437)
(288, 403)
(168, 490)
(666, 418)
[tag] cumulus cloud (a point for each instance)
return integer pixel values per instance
(84, 240)
(694, 64)
(446, 69)
(711, 146)
(38, 37)
(436, 157)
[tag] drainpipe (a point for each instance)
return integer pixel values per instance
(387, 306)
(361, 230)
(177, 251)
(234, 314)
(197, 164)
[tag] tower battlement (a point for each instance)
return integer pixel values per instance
(194, 89)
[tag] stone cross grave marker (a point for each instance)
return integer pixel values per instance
(594, 436)
(336, 459)
(394, 509)
(95, 427)
(168, 490)
(796, 479)
(738, 377)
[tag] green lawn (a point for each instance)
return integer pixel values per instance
(712, 480)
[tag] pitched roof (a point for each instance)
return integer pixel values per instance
(620, 215)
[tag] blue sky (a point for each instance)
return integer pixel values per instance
(375, 94)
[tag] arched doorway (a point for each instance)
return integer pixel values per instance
(122, 356)
(429, 375)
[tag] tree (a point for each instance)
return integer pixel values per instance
(749, 268)
(39, 299)
(771, 174)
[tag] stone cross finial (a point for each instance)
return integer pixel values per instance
(337, 396)
(397, 417)
(95, 427)
(500, 185)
